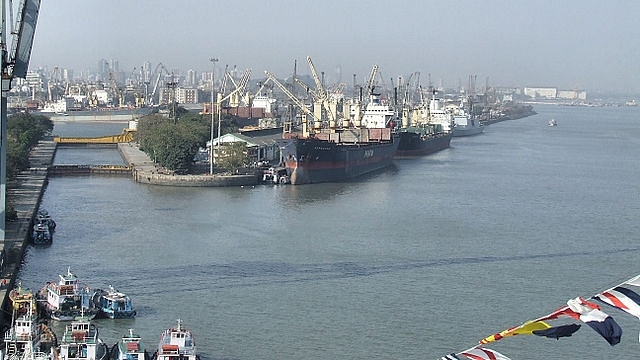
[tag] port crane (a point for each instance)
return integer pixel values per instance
(322, 97)
(158, 70)
(296, 101)
(240, 88)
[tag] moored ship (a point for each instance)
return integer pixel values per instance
(419, 135)
(421, 140)
(342, 142)
(329, 157)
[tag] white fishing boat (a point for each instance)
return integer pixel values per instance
(81, 342)
(553, 122)
(176, 343)
(130, 347)
(66, 299)
(26, 339)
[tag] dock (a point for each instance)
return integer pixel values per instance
(25, 197)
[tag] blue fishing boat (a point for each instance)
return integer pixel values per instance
(113, 304)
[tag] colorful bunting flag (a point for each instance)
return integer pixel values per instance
(590, 314)
(451, 356)
(556, 332)
(624, 296)
(483, 354)
(525, 329)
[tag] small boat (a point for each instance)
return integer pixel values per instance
(81, 342)
(114, 304)
(41, 235)
(26, 339)
(66, 299)
(552, 122)
(43, 217)
(176, 343)
(129, 348)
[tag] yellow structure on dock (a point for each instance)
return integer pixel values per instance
(124, 137)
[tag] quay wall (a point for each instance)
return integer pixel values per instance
(25, 198)
(145, 171)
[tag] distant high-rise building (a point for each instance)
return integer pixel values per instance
(191, 77)
(67, 75)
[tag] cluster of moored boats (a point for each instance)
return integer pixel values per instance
(30, 338)
(68, 298)
(43, 228)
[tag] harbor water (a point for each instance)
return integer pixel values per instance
(418, 261)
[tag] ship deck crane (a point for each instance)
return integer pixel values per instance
(293, 99)
(321, 94)
(240, 88)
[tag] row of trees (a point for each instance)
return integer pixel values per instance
(23, 133)
(173, 142)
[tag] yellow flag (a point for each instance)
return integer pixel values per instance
(525, 329)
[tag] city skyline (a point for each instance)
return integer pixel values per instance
(573, 44)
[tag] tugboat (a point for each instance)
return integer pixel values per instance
(176, 343)
(129, 348)
(66, 299)
(81, 342)
(26, 339)
(114, 304)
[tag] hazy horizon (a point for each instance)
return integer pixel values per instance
(568, 44)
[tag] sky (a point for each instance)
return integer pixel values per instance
(581, 44)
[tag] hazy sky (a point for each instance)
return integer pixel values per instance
(586, 44)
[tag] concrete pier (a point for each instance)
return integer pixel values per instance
(25, 197)
(145, 172)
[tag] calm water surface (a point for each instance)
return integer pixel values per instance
(412, 263)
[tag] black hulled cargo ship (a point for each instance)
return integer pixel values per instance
(342, 142)
(338, 156)
(422, 140)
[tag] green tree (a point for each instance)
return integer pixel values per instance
(172, 146)
(23, 133)
(233, 156)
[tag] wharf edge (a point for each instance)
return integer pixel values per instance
(25, 197)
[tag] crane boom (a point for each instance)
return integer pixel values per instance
(372, 78)
(321, 93)
(294, 99)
